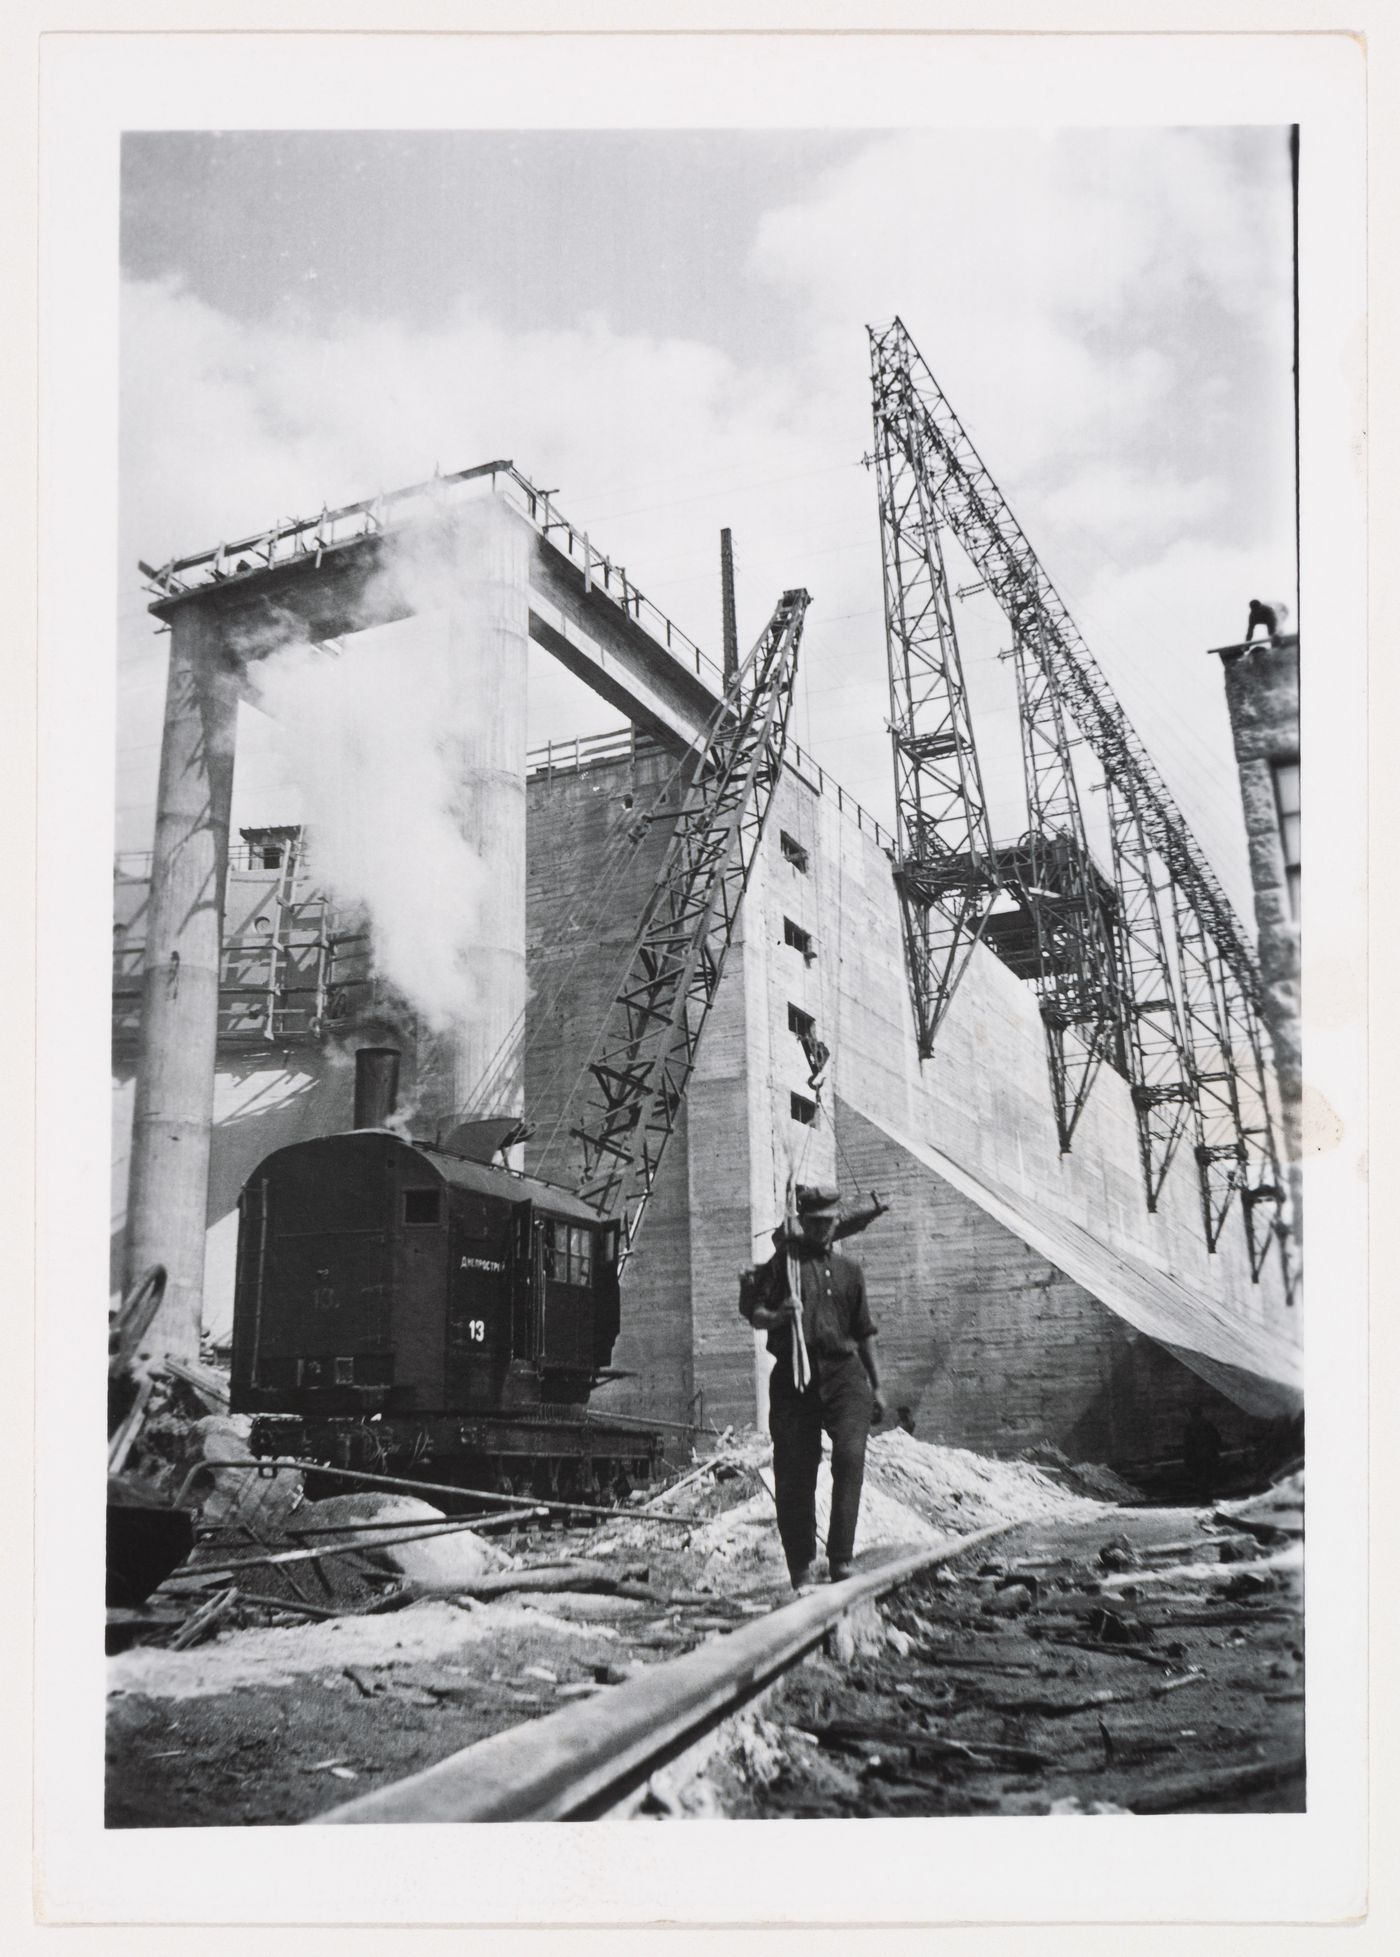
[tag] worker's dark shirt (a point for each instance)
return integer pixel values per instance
(835, 1315)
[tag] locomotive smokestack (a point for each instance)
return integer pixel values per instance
(376, 1085)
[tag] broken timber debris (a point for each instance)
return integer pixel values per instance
(205, 1620)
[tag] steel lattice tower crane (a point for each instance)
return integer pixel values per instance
(1201, 1051)
(646, 1049)
(1157, 1050)
(1052, 874)
(945, 868)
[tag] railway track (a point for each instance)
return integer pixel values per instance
(579, 1763)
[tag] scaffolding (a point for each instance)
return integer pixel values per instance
(294, 971)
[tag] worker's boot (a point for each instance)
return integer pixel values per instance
(839, 1572)
(802, 1578)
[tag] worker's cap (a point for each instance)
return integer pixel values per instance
(817, 1199)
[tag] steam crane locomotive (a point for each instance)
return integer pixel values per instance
(400, 1303)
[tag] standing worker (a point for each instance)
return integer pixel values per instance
(825, 1376)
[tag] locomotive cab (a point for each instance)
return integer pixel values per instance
(380, 1276)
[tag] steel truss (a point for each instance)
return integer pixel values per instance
(1076, 977)
(1214, 952)
(1219, 1125)
(1156, 1050)
(646, 1050)
(1235, 1118)
(945, 868)
(1263, 1189)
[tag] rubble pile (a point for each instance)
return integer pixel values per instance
(916, 1494)
(958, 1491)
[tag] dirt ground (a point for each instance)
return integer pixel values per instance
(971, 1692)
(985, 1692)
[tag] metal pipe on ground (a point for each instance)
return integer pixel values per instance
(577, 1762)
(366, 1480)
(375, 1537)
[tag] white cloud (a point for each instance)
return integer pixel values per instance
(1108, 312)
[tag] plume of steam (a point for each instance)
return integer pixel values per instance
(380, 729)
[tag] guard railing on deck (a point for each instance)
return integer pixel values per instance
(626, 744)
(309, 537)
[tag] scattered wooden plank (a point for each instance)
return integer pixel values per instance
(1064, 1708)
(1267, 1532)
(555, 1576)
(122, 1442)
(1006, 1667)
(293, 1605)
(1224, 1784)
(705, 1468)
(204, 1620)
(979, 1753)
(1117, 1651)
(133, 1319)
(210, 1389)
(1203, 1620)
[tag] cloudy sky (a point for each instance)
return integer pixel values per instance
(669, 330)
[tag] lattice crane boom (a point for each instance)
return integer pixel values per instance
(1156, 1048)
(1186, 1025)
(945, 868)
(968, 500)
(646, 1050)
(1076, 972)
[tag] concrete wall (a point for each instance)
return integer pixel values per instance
(986, 1342)
(587, 881)
(1261, 691)
(986, 1345)
(985, 1099)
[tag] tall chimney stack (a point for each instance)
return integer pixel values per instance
(376, 1085)
(731, 626)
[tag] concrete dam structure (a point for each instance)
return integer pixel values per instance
(1024, 1295)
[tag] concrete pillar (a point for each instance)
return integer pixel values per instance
(488, 643)
(168, 1193)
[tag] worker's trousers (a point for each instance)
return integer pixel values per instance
(839, 1401)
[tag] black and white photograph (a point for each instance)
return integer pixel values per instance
(708, 1080)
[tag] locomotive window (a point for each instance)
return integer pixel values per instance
(581, 1256)
(345, 1372)
(422, 1205)
(572, 1255)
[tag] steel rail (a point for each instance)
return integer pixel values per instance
(577, 1763)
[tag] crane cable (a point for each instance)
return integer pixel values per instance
(621, 848)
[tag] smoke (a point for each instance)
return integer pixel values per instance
(386, 733)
